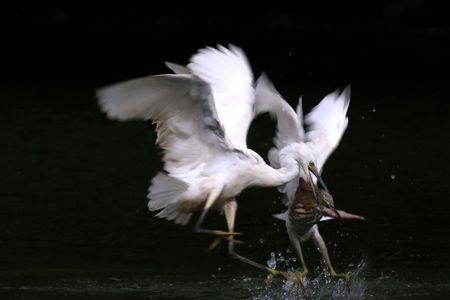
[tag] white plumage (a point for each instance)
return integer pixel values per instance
(326, 123)
(308, 202)
(202, 114)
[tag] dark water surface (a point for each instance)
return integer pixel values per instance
(74, 223)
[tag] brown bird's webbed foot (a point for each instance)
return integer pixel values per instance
(301, 276)
(276, 273)
(344, 276)
(298, 277)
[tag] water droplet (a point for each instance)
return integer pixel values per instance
(272, 262)
(362, 117)
(219, 269)
(392, 176)
(373, 110)
(261, 240)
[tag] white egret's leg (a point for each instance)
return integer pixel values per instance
(212, 197)
(295, 241)
(230, 213)
(318, 240)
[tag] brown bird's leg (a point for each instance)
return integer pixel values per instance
(318, 240)
(212, 197)
(230, 214)
(298, 249)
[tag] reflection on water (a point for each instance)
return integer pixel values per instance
(189, 285)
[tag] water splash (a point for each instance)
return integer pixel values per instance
(321, 286)
(272, 262)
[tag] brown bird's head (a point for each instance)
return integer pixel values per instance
(325, 199)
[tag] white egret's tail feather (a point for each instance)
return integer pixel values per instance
(172, 212)
(183, 218)
(165, 193)
(165, 190)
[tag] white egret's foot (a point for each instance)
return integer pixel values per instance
(219, 233)
(216, 242)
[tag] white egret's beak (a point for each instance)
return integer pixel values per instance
(312, 168)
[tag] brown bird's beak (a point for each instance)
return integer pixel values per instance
(342, 215)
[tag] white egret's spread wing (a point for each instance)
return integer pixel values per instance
(326, 125)
(228, 73)
(289, 128)
(183, 108)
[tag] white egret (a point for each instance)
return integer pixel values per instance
(307, 198)
(202, 114)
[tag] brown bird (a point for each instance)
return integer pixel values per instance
(312, 203)
(307, 198)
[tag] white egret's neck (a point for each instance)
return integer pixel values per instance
(289, 158)
(265, 175)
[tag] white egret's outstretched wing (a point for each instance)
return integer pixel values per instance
(289, 128)
(326, 125)
(183, 108)
(228, 73)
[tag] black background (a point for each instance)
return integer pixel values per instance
(73, 184)
(364, 40)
